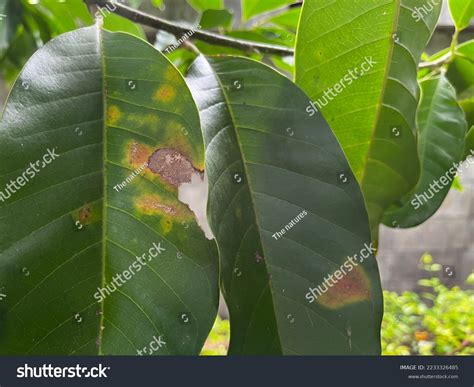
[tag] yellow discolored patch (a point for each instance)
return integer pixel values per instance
(171, 75)
(166, 225)
(147, 121)
(352, 288)
(165, 93)
(113, 115)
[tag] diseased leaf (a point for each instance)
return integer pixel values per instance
(441, 139)
(462, 11)
(126, 132)
(357, 60)
(286, 212)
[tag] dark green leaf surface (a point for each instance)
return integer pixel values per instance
(105, 102)
(272, 167)
(469, 147)
(373, 116)
(441, 138)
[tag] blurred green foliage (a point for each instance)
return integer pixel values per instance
(438, 321)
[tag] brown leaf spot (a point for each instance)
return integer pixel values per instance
(172, 166)
(153, 205)
(138, 154)
(85, 214)
(353, 287)
(165, 93)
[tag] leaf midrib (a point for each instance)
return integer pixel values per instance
(244, 163)
(384, 88)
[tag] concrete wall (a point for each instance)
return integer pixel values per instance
(448, 236)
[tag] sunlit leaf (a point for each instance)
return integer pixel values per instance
(358, 62)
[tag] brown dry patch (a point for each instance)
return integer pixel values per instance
(152, 205)
(138, 154)
(353, 287)
(172, 166)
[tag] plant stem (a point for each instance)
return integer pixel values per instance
(177, 30)
(446, 58)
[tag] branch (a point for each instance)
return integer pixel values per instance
(177, 30)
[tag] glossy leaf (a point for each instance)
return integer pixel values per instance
(272, 168)
(462, 11)
(358, 62)
(111, 107)
(441, 139)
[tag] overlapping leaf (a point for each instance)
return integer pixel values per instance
(286, 212)
(126, 130)
(371, 109)
(441, 140)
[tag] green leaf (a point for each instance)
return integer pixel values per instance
(61, 16)
(202, 5)
(116, 23)
(469, 147)
(108, 104)
(213, 18)
(252, 8)
(10, 18)
(461, 70)
(462, 11)
(272, 168)
(288, 19)
(358, 62)
(441, 138)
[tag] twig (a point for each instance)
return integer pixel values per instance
(178, 30)
(438, 62)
